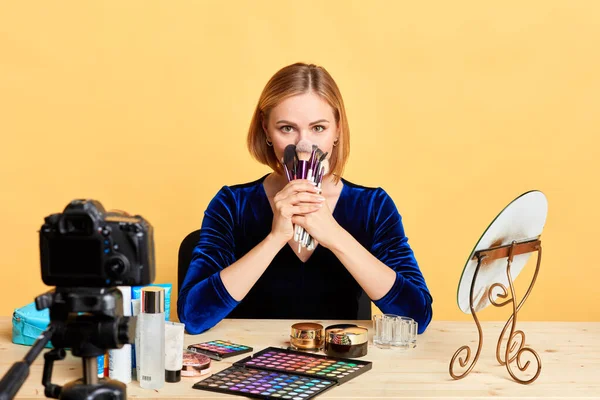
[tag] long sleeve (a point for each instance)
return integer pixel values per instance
(409, 296)
(203, 299)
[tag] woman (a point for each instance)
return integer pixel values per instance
(246, 262)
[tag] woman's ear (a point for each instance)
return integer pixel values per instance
(263, 123)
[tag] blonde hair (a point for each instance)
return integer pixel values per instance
(290, 81)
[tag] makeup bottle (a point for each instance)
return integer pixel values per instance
(152, 338)
(119, 360)
(136, 308)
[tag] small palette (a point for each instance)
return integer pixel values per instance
(337, 369)
(195, 364)
(262, 384)
(219, 349)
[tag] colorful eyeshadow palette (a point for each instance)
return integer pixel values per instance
(261, 384)
(219, 349)
(339, 370)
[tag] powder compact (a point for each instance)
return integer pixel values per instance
(346, 340)
(195, 364)
(306, 336)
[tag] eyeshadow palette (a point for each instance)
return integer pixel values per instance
(337, 369)
(219, 349)
(263, 384)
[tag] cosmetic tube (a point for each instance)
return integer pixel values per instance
(136, 307)
(119, 360)
(101, 366)
(173, 351)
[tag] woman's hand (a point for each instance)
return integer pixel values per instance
(300, 198)
(320, 225)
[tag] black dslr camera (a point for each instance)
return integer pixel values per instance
(86, 252)
(86, 246)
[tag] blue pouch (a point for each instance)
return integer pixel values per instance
(28, 324)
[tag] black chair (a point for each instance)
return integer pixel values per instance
(185, 258)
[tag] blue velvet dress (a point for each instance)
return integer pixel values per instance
(239, 217)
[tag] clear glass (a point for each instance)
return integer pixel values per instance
(394, 331)
(383, 327)
(405, 333)
(152, 348)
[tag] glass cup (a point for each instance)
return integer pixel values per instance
(383, 325)
(405, 333)
(394, 331)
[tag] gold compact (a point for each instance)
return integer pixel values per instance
(195, 364)
(306, 336)
(346, 340)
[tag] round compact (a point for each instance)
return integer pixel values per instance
(195, 364)
(346, 340)
(306, 336)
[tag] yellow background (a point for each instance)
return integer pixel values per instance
(455, 109)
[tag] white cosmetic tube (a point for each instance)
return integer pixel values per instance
(136, 307)
(173, 351)
(119, 360)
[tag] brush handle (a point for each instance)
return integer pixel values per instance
(288, 173)
(297, 232)
(300, 232)
(305, 239)
(302, 171)
(312, 171)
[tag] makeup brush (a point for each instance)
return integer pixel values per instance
(312, 163)
(289, 161)
(309, 242)
(315, 166)
(323, 163)
(304, 152)
(317, 157)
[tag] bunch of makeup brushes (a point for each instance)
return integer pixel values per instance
(305, 161)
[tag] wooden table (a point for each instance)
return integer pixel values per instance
(570, 354)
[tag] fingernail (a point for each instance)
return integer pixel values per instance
(320, 198)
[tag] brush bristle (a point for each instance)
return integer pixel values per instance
(289, 154)
(318, 154)
(304, 150)
(325, 166)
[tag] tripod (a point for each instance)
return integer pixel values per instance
(89, 321)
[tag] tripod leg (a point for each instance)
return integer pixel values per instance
(18, 373)
(90, 370)
(51, 390)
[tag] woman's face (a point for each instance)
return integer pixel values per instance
(306, 116)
